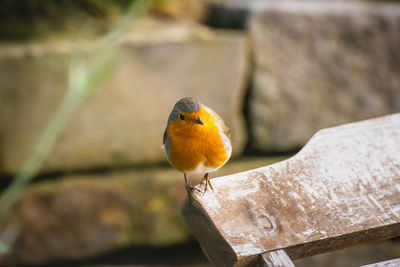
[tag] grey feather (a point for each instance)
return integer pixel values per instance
(187, 104)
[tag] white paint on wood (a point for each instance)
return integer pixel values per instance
(276, 258)
(244, 191)
(389, 263)
(376, 203)
(247, 249)
(308, 232)
(397, 187)
(213, 201)
(280, 258)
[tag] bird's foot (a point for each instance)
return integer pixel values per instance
(190, 189)
(206, 182)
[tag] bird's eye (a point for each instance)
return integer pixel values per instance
(181, 117)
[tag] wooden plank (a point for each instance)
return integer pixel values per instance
(389, 263)
(276, 258)
(340, 190)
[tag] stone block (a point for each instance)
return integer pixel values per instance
(320, 64)
(85, 215)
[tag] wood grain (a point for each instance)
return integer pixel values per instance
(341, 189)
(276, 258)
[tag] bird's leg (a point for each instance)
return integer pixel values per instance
(207, 182)
(189, 188)
(184, 175)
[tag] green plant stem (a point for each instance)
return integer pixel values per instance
(84, 80)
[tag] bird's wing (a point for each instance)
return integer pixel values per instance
(220, 122)
(165, 137)
(165, 144)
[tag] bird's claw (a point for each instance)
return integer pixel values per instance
(190, 189)
(206, 182)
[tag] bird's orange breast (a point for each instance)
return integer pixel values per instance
(192, 144)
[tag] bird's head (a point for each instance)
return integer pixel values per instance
(188, 114)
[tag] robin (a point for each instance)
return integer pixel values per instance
(196, 140)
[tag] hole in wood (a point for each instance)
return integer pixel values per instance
(265, 222)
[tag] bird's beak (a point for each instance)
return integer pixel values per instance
(199, 121)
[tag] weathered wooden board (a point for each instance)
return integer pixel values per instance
(389, 263)
(341, 189)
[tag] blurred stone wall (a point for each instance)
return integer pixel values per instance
(318, 65)
(288, 70)
(123, 123)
